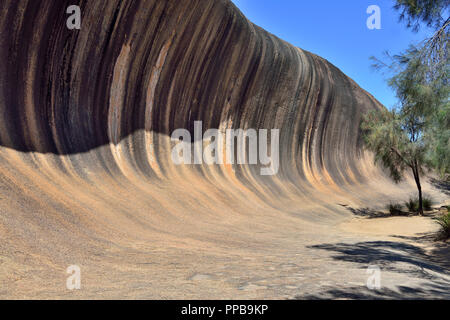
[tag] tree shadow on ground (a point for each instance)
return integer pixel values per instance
(397, 257)
(373, 214)
(425, 292)
(440, 252)
(442, 186)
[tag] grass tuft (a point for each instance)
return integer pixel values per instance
(427, 203)
(444, 222)
(413, 204)
(394, 208)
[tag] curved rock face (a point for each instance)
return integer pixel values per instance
(136, 71)
(85, 126)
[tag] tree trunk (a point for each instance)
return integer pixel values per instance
(419, 187)
(420, 197)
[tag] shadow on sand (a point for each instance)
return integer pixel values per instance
(441, 185)
(397, 257)
(373, 214)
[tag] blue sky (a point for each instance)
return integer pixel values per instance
(337, 31)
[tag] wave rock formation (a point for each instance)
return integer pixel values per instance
(86, 175)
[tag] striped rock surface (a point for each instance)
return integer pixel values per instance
(86, 175)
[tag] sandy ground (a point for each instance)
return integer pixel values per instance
(391, 226)
(307, 262)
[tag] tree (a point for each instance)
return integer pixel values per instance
(415, 12)
(417, 135)
(438, 139)
(414, 135)
(396, 138)
(429, 65)
(430, 59)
